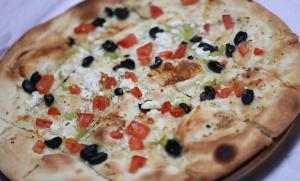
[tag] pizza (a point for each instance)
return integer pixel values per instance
(147, 90)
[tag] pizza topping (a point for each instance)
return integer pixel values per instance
(28, 86)
(137, 130)
(136, 92)
(247, 96)
(84, 28)
(186, 107)
(225, 153)
(129, 41)
(153, 31)
(166, 54)
(206, 27)
(71, 42)
(98, 158)
(229, 50)
(189, 2)
(225, 92)
(178, 112)
(180, 52)
(137, 162)
(156, 11)
(215, 66)
(45, 84)
(240, 37)
(87, 61)
(144, 53)
(128, 64)
(228, 23)
(168, 66)
(122, 13)
(43, 123)
(49, 99)
(109, 12)
(157, 63)
(243, 49)
(101, 102)
(173, 148)
(118, 91)
(208, 94)
(116, 134)
(54, 142)
(190, 57)
(39, 147)
(136, 144)
(238, 89)
(53, 111)
(109, 46)
(131, 76)
(258, 52)
(166, 107)
(74, 89)
(98, 22)
(35, 78)
(196, 39)
(149, 104)
(73, 146)
(207, 47)
(89, 151)
(85, 119)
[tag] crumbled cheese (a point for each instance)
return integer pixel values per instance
(164, 41)
(86, 94)
(126, 84)
(55, 128)
(201, 53)
(151, 105)
(36, 98)
(175, 22)
(91, 82)
(70, 128)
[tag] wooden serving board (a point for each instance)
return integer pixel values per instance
(263, 163)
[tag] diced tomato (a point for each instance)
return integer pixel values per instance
(144, 53)
(72, 145)
(45, 84)
(166, 54)
(136, 92)
(85, 119)
(53, 111)
(224, 93)
(189, 2)
(129, 41)
(116, 134)
(243, 49)
(131, 75)
(43, 123)
(238, 89)
(177, 112)
(207, 27)
(136, 144)
(166, 107)
(137, 130)
(180, 52)
(74, 89)
(223, 62)
(259, 52)
(137, 162)
(110, 83)
(228, 22)
(84, 28)
(168, 66)
(103, 78)
(39, 147)
(156, 11)
(101, 102)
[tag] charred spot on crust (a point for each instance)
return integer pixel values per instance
(225, 153)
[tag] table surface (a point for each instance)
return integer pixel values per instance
(18, 16)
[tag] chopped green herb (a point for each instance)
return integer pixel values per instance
(72, 51)
(111, 55)
(210, 83)
(220, 52)
(188, 32)
(64, 87)
(70, 116)
(162, 141)
(81, 133)
(60, 76)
